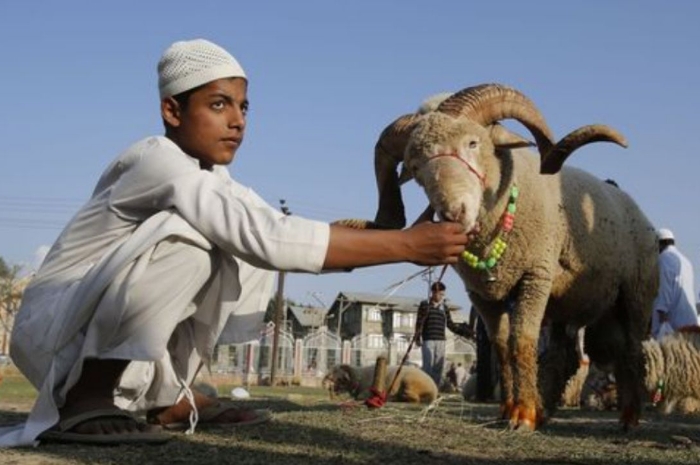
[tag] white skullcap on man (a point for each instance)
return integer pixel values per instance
(192, 63)
(665, 234)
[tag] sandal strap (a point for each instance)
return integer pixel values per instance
(75, 420)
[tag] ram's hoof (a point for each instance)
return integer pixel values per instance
(629, 418)
(524, 418)
(507, 408)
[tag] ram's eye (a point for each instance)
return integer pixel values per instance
(473, 144)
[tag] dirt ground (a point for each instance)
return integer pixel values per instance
(316, 430)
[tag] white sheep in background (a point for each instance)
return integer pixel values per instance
(672, 375)
(573, 248)
(673, 371)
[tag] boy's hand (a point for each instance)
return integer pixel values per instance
(436, 243)
(425, 244)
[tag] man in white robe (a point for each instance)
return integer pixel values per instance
(674, 306)
(167, 255)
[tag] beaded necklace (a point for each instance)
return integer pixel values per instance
(658, 393)
(498, 245)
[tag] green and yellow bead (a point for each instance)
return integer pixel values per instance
(499, 245)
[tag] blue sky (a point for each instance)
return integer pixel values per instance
(79, 86)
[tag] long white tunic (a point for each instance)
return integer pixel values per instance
(150, 193)
(676, 296)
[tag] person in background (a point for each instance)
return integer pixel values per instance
(430, 331)
(461, 376)
(674, 306)
(451, 376)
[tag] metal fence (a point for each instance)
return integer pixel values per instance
(306, 361)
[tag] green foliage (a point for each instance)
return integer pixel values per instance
(4, 269)
(8, 292)
(270, 311)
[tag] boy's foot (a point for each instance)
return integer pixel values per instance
(211, 412)
(99, 421)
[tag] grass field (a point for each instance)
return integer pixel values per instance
(14, 386)
(309, 428)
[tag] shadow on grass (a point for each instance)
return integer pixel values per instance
(321, 432)
(601, 425)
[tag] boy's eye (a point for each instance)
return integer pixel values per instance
(218, 105)
(244, 108)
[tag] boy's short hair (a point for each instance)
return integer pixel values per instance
(189, 64)
(437, 286)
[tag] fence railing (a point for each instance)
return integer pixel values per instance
(306, 361)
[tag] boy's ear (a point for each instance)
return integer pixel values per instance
(170, 111)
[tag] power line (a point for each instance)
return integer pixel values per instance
(32, 212)
(30, 223)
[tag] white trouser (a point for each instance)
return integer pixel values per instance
(434, 359)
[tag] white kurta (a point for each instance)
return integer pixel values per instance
(676, 296)
(150, 194)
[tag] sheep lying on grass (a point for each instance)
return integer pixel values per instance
(413, 385)
(569, 246)
(590, 388)
(672, 376)
(673, 371)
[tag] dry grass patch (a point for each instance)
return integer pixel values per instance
(308, 428)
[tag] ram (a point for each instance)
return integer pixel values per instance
(546, 241)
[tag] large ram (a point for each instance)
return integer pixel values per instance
(562, 245)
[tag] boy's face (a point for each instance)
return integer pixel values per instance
(212, 124)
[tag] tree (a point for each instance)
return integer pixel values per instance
(4, 269)
(10, 296)
(272, 308)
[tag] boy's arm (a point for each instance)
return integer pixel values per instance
(460, 329)
(239, 222)
(424, 244)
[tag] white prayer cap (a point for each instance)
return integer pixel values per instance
(665, 234)
(192, 63)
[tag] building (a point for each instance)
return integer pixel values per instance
(380, 325)
(302, 321)
(357, 329)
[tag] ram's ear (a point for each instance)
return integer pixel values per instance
(506, 139)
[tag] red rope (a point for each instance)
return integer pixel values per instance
(480, 177)
(377, 400)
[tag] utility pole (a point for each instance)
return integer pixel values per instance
(279, 311)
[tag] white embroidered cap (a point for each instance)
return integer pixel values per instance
(665, 234)
(192, 63)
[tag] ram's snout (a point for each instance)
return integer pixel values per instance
(454, 214)
(454, 194)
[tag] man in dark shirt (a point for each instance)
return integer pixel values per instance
(430, 331)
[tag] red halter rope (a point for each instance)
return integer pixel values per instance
(481, 177)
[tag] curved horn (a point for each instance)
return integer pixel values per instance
(489, 103)
(507, 139)
(553, 161)
(388, 153)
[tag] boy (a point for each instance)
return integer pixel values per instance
(169, 256)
